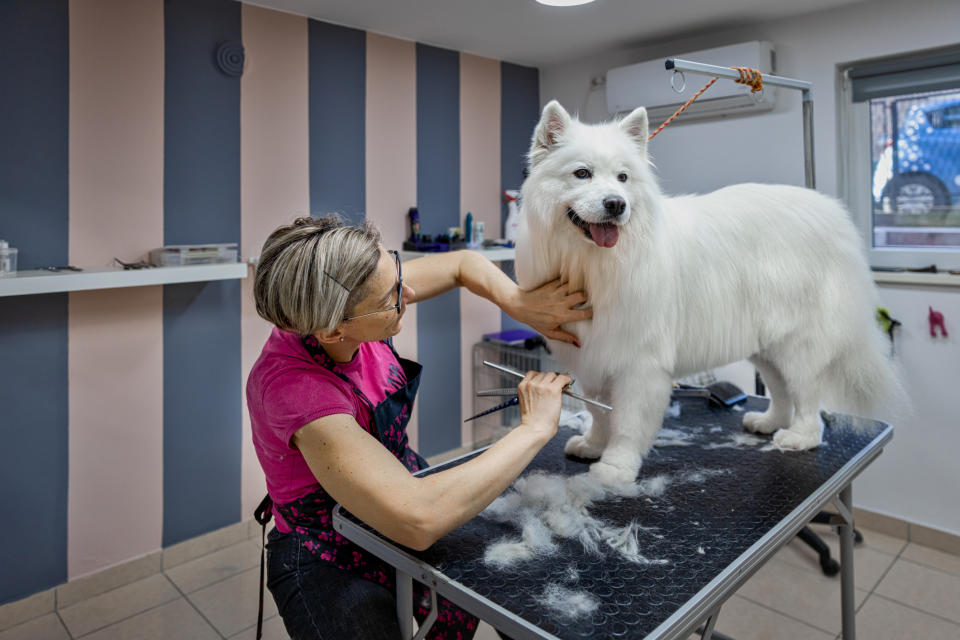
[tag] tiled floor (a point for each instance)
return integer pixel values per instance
(904, 591)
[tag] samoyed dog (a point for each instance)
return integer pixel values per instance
(772, 273)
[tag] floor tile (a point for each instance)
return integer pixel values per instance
(213, 567)
(930, 590)
(935, 538)
(893, 527)
(798, 593)
(876, 540)
(47, 627)
(17, 612)
(202, 545)
(745, 620)
(175, 619)
(108, 579)
(231, 605)
(486, 632)
(933, 558)
(882, 619)
(869, 565)
(273, 629)
(118, 604)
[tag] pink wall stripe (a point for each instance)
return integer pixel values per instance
(391, 158)
(479, 194)
(274, 174)
(115, 336)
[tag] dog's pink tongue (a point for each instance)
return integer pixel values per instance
(605, 235)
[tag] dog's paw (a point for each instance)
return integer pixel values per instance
(759, 422)
(796, 440)
(580, 447)
(610, 475)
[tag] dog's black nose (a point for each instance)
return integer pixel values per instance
(614, 205)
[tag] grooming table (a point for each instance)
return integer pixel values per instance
(713, 534)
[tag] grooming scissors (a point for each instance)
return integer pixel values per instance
(515, 399)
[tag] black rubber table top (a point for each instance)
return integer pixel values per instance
(697, 528)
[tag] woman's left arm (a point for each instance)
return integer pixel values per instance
(544, 308)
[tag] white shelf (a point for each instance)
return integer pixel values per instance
(41, 281)
(935, 279)
(494, 254)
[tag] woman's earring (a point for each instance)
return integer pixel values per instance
(341, 338)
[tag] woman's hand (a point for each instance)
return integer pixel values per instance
(549, 306)
(540, 394)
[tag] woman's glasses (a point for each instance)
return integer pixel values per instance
(399, 305)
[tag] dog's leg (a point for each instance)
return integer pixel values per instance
(806, 427)
(591, 444)
(639, 401)
(778, 414)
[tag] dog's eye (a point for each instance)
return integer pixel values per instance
(583, 174)
(622, 177)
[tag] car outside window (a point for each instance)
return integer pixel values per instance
(899, 146)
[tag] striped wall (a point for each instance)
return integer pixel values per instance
(123, 410)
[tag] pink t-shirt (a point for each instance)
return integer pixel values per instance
(288, 388)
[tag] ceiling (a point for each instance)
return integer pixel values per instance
(527, 33)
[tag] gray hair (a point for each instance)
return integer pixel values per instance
(311, 274)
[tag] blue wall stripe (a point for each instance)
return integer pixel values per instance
(519, 113)
(338, 85)
(202, 422)
(438, 200)
(34, 117)
(34, 120)
(34, 457)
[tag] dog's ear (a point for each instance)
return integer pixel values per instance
(553, 121)
(636, 127)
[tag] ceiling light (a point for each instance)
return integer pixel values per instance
(563, 3)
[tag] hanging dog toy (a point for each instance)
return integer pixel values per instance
(888, 323)
(936, 320)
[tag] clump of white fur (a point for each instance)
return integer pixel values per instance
(566, 603)
(546, 506)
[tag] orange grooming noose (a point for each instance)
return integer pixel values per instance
(751, 77)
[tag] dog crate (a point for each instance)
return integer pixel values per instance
(492, 427)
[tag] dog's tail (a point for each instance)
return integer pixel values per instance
(866, 380)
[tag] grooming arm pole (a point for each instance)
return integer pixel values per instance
(809, 173)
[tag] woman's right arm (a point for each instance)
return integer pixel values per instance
(363, 476)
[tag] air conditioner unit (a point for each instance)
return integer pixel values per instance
(648, 84)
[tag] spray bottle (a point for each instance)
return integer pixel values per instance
(511, 196)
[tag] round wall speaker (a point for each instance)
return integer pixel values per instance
(229, 56)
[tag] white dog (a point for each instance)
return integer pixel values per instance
(772, 273)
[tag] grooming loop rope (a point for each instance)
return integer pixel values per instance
(751, 77)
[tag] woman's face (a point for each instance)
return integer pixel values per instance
(380, 314)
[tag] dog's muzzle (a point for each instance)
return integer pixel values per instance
(603, 234)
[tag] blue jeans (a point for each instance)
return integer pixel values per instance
(318, 601)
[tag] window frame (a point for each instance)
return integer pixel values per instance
(856, 175)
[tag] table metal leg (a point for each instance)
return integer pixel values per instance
(430, 619)
(847, 593)
(405, 604)
(710, 624)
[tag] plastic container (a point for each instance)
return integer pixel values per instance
(478, 231)
(8, 259)
(186, 254)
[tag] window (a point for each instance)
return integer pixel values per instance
(900, 137)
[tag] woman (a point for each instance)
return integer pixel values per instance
(329, 401)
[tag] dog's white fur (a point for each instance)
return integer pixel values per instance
(773, 273)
